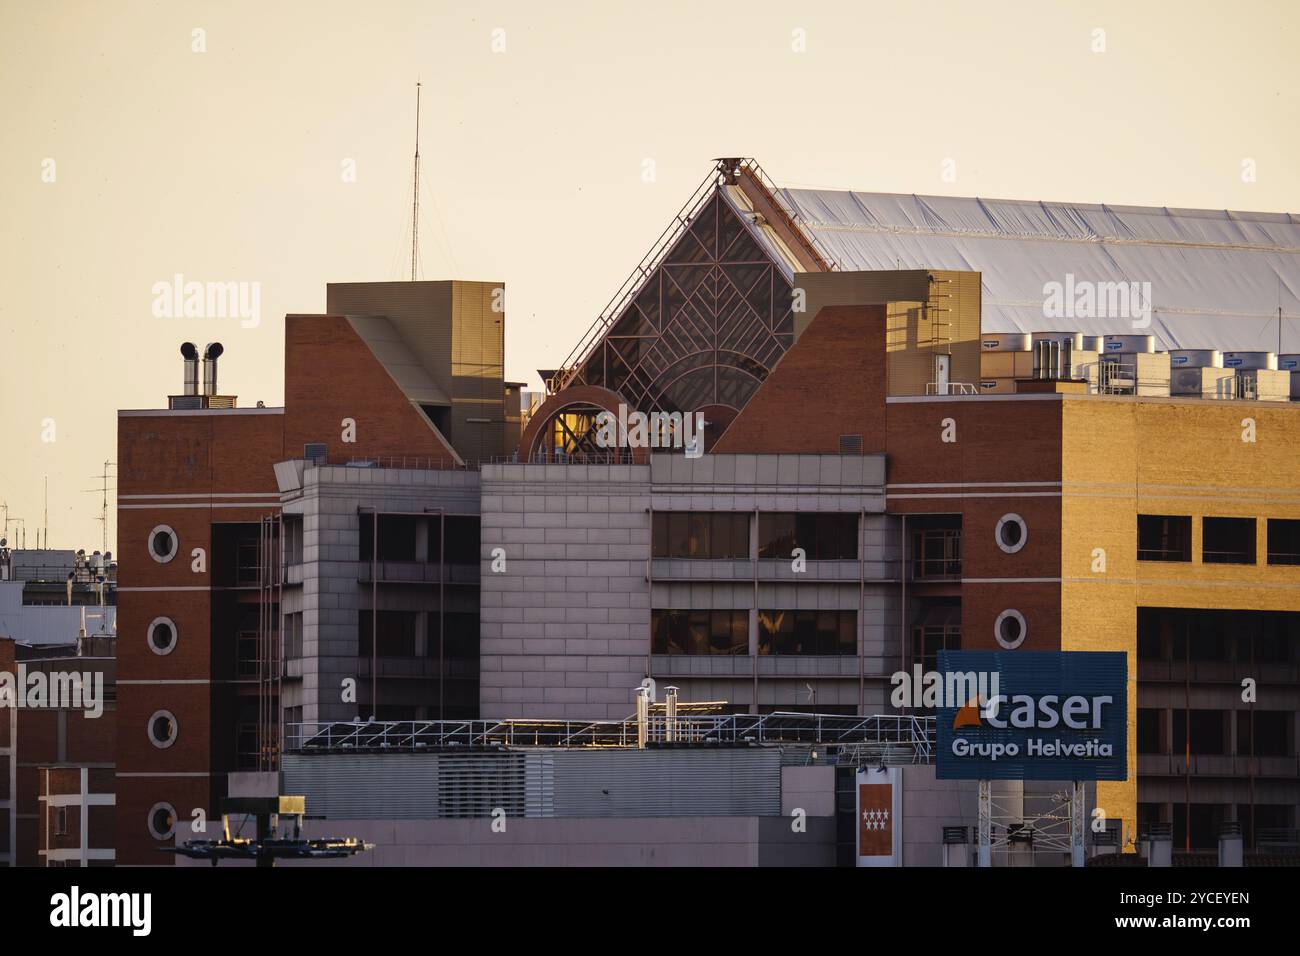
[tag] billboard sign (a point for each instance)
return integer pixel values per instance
(1059, 715)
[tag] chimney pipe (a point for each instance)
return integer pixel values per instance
(191, 356)
(210, 356)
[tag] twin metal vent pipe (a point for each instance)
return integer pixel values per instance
(191, 356)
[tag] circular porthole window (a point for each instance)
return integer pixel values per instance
(1011, 533)
(162, 635)
(162, 821)
(1009, 629)
(162, 544)
(163, 729)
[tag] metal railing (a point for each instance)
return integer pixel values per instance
(901, 738)
(954, 388)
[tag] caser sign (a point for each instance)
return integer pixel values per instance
(1059, 716)
(1046, 712)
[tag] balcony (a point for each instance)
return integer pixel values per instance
(418, 572)
(936, 555)
(1219, 765)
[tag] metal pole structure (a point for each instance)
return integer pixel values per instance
(1077, 823)
(1187, 732)
(279, 662)
(985, 825)
(902, 604)
(860, 630)
(374, 614)
(415, 199)
(442, 606)
(754, 651)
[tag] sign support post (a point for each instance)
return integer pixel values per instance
(1078, 823)
(985, 825)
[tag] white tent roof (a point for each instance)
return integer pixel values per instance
(1217, 277)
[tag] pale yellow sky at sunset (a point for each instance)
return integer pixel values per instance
(230, 162)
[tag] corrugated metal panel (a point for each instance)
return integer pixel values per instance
(665, 783)
(1213, 273)
(559, 783)
(365, 786)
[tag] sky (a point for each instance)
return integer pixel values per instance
(270, 144)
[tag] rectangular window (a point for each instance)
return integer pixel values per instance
(699, 632)
(807, 632)
(1164, 538)
(936, 553)
(1273, 732)
(1283, 541)
(60, 821)
(1148, 728)
(1209, 732)
(460, 635)
(823, 536)
(247, 562)
(246, 654)
(461, 538)
(396, 633)
(1228, 540)
(700, 534)
(929, 639)
(396, 537)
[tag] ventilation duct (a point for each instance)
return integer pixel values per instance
(210, 356)
(191, 356)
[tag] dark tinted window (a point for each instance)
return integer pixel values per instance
(700, 534)
(1283, 541)
(1148, 731)
(1164, 538)
(699, 632)
(824, 537)
(807, 632)
(396, 537)
(1228, 540)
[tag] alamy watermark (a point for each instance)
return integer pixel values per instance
(920, 689)
(683, 430)
(179, 299)
(60, 690)
(1084, 299)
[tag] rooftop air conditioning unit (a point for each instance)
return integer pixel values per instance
(1128, 344)
(1004, 342)
(1249, 360)
(1196, 358)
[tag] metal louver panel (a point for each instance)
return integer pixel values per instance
(479, 785)
(540, 775)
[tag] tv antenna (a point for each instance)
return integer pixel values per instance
(103, 507)
(415, 199)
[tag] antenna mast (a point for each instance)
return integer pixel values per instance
(415, 199)
(103, 512)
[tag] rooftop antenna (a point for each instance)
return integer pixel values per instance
(415, 199)
(1279, 315)
(103, 512)
(45, 518)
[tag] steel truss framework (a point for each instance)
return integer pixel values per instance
(705, 328)
(1047, 822)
